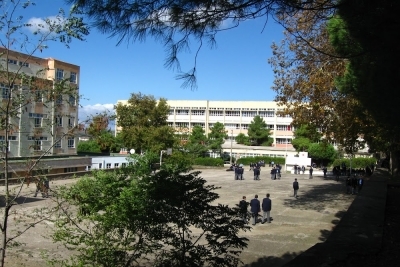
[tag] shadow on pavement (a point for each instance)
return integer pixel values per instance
(273, 261)
(22, 200)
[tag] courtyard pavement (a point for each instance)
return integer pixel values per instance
(297, 225)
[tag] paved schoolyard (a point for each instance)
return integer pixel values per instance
(297, 224)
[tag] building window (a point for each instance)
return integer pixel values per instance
(38, 96)
(266, 113)
(71, 169)
(72, 100)
(216, 113)
(270, 126)
(24, 64)
(59, 74)
(58, 121)
(171, 112)
(12, 61)
(108, 165)
(116, 165)
(38, 122)
(283, 127)
(182, 112)
(123, 165)
(71, 122)
(182, 124)
(59, 99)
(37, 145)
(283, 140)
(72, 77)
(245, 126)
(170, 124)
(5, 91)
(71, 142)
(251, 114)
(4, 143)
(37, 115)
(232, 113)
(197, 112)
(57, 144)
(230, 126)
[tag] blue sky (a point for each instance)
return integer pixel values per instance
(237, 69)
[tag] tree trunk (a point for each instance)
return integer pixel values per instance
(395, 163)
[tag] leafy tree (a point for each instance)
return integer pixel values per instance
(365, 33)
(20, 92)
(322, 152)
(89, 146)
(242, 139)
(165, 219)
(144, 123)
(217, 137)
(301, 144)
(258, 132)
(197, 143)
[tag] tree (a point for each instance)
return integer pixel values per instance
(364, 32)
(259, 133)
(144, 123)
(217, 137)
(89, 146)
(306, 69)
(242, 139)
(197, 143)
(165, 219)
(322, 152)
(20, 92)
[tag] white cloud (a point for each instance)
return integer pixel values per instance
(86, 112)
(41, 25)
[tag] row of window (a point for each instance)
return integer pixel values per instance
(16, 62)
(37, 142)
(38, 94)
(59, 72)
(220, 113)
(60, 76)
(58, 120)
(229, 126)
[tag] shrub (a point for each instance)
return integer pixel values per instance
(356, 163)
(218, 162)
(248, 160)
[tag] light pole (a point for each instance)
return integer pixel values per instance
(286, 155)
(231, 146)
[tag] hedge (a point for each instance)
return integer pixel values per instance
(248, 160)
(209, 162)
(356, 163)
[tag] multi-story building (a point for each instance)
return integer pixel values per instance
(47, 115)
(236, 117)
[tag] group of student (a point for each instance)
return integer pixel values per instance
(255, 209)
(354, 184)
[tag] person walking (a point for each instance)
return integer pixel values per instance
(243, 204)
(273, 173)
(255, 209)
(256, 173)
(303, 169)
(311, 171)
(295, 187)
(266, 207)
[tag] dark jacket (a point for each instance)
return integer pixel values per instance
(266, 204)
(256, 171)
(295, 185)
(255, 205)
(243, 204)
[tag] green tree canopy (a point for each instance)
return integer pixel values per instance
(242, 139)
(144, 123)
(322, 152)
(217, 137)
(197, 143)
(258, 132)
(156, 220)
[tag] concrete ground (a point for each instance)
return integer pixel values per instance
(297, 225)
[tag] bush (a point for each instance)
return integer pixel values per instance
(356, 163)
(209, 162)
(248, 160)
